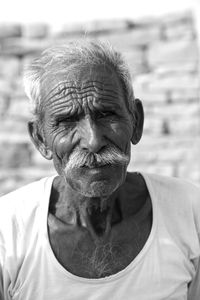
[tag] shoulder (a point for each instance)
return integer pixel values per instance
(177, 201)
(176, 204)
(173, 188)
(28, 195)
(18, 206)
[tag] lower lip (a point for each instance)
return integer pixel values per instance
(98, 169)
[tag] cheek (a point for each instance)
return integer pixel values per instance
(62, 146)
(120, 134)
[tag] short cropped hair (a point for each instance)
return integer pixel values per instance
(75, 54)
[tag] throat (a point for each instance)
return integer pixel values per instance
(98, 222)
(94, 215)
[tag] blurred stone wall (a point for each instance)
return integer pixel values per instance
(163, 58)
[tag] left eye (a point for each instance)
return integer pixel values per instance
(105, 114)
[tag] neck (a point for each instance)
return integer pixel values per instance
(94, 214)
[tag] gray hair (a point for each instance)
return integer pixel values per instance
(74, 54)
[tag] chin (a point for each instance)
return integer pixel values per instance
(94, 189)
(99, 189)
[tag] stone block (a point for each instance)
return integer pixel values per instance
(109, 25)
(14, 155)
(158, 168)
(10, 30)
(144, 22)
(172, 55)
(35, 30)
(152, 125)
(171, 154)
(188, 127)
(6, 87)
(174, 19)
(22, 46)
(179, 31)
(173, 82)
(13, 129)
(140, 37)
(176, 68)
(135, 61)
(150, 98)
(75, 29)
(18, 88)
(94, 27)
(175, 119)
(178, 111)
(177, 26)
(19, 107)
(189, 95)
(161, 154)
(9, 67)
(4, 104)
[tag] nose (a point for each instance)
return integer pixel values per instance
(92, 138)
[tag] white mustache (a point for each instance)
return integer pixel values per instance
(111, 155)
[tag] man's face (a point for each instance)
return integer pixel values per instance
(85, 112)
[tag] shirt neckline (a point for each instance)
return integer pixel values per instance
(132, 265)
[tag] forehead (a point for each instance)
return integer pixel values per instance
(98, 82)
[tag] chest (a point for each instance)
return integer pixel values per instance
(77, 252)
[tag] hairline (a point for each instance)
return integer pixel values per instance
(111, 61)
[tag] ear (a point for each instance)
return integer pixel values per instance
(139, 122)
(38, 140)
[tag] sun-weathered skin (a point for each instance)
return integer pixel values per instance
(85, 110)
(87, 113)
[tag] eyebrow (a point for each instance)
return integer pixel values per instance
(65, 111)
(107, 105)
(78, 110)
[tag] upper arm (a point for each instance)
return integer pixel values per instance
(194, 287)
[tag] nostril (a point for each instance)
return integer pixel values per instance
(104, 147)
(93, 145)
(91, 138)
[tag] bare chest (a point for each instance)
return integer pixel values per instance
(78, 254)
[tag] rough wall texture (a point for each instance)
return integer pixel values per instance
(163, 59)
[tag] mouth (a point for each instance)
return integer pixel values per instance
(96, 166)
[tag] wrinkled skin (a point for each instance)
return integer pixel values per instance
(90, 114)
(85, 109)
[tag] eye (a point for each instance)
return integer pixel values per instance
(106, 114)
(68, 120)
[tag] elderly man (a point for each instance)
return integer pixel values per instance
(95, 231)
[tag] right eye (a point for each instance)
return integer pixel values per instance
(68, 120)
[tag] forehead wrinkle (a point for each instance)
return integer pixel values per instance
(64, 109)
(66, 95)
(72, 98)
(59, 88)
(96, 101)
(64, 86)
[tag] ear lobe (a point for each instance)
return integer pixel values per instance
(139, 122)
(38, 140)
